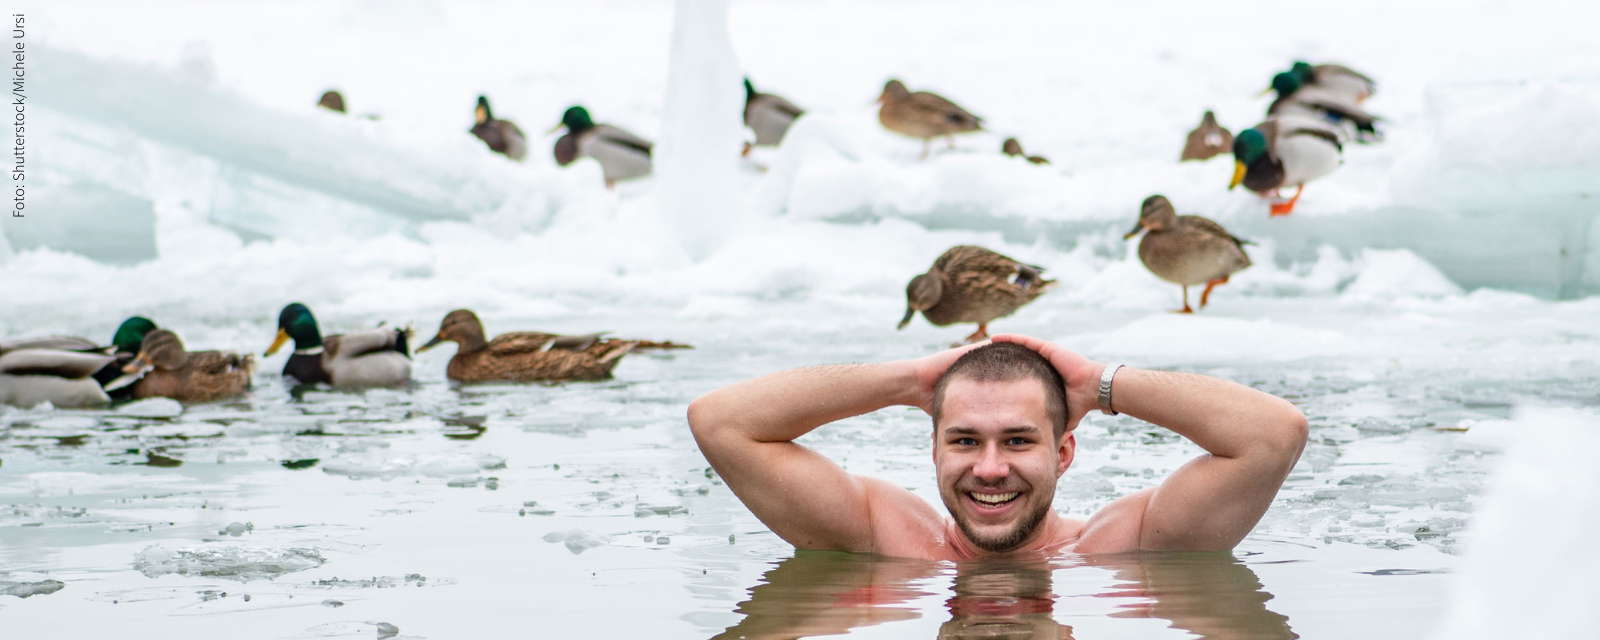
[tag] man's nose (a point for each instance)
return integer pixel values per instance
(991, 465)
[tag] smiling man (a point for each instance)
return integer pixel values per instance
(1003, 420)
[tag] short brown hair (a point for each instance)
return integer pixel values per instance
(1005, 362)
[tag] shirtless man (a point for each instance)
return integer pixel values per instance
(1003, 420)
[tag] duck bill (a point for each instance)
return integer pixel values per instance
(906, 320)
(437, 339)
(556, 128)
(1238, 175)
(1264, 93)
(1136, 229)
(277, 342)
(139, 365)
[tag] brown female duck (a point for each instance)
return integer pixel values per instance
(923, 115)
(1207, 140)
(169, 371)
(973, 284)
(523, 356)
(1186, 250)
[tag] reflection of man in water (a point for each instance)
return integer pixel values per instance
(1003, 416)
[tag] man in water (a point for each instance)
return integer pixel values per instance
(1003, 420)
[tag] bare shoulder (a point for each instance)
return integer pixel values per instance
(1116, 528)
(903, 524)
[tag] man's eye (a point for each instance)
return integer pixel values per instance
(1017, 441)
(966, 442)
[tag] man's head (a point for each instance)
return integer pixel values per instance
(1000, 442)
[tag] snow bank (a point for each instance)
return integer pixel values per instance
(1530, 566)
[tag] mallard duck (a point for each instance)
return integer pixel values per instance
(1207, 140)
(31, 376)
(1284, 152)
(502, 136)
(1342, 82)
(125, 347)
(332, 101)
(768, 115)
(522, 356)
(1186, 250)
(58, 343)
(1013, 148)
(164, 369)
(370, 358)
(622, 155)
(923, 115)
(972, 284)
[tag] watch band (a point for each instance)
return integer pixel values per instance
(1105, 388)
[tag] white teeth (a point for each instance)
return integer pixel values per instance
(993, 498)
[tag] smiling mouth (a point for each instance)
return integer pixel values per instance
(994, 499)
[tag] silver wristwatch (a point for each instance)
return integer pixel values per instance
(1105, 388)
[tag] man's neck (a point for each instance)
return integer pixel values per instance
(1048, 538)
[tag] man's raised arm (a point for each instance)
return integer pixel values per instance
(1252, 440)
(747, 432)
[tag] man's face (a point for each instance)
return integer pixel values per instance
(997, 460)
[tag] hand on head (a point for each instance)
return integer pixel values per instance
(928, 370)
(1082, 374)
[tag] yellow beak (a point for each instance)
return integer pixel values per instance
(277, 342)
(1263, 94)
(140, 362)
(1238, 175)
(556, 128)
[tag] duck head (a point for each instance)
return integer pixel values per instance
(1249, 147)
(922, 293)
(893, 89)
(749, 91)
(297, 323)
(461, 327)
(131, 333)
(481, 113)
(332, 101)
(161, 350)
(1011, 147)
(576, 120)
(1155, 214)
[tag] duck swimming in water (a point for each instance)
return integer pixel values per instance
(166, 370)
(371, 358)
(522, 356)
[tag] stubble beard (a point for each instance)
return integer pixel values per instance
(1012, 539)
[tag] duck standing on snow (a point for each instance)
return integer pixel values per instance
(502, 136)
(923, 115)
(622, 155)
(1207, 140)
(371, 358)
(768, 115)
(31, 375)
(1186, 250)
(1341, 82)
(1284, 152)
(1013, 148)
(164, 369)
(523, 356)
(972, 284)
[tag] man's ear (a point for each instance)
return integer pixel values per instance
(1065, 450)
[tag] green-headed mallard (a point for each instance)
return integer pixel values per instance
(1186, 250)
(923, 115)
(371, 358)
(1340, 81)
(522, 356)
(1207, 140)
(768, 115)
(1284, 152)
(1013, 148)
(31, 376)
(332, 100)
(125, 346)
(622, 155)
(164, 369)
(502, 136)
(972, 284)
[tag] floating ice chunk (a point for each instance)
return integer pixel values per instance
(1398, 273)
(578, 540)
(645, 510)
(225, 561)
(152, 408)
(1530, 563)
(29, 589)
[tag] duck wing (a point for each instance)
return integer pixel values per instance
(620, 136)
(1209, 226)
(359, 343)
(51, 362)
(934, 108)
(516, 342)
(59, 343)
(217, 363)
(776, 103)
